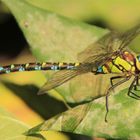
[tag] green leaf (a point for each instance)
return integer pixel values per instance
(119, 14)
(88, 119)
(49, 33)
(37, 103)
(56, 38)
(12, 129)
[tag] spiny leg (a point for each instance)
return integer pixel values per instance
(135, 96)
(113, 78)
(137, 81)
(109, 90)
(137, 84)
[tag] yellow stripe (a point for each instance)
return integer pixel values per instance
(77, 64)
(43, 64)
(12, 66)
(105, 70)
(133, 69)
(60, 64)
(119, 61)
(114, 69)
(27, 65)
(138, 64)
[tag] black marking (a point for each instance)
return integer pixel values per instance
(37, 67)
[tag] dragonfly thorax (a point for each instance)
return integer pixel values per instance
(125, 62)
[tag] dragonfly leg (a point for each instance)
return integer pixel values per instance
(130, 92)
(137, 84)
(108, 93)
(113, 78)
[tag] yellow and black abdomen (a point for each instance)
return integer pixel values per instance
(38, 66)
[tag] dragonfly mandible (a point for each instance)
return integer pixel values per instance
(108, 55)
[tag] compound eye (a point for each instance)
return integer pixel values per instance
(138, 57)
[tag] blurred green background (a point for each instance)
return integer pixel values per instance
(117, 15)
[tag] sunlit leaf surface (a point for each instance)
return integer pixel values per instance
(12, 128)
(88, 119)
(55, 38)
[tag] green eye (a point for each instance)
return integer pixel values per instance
(138, 57)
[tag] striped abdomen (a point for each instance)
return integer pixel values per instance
(119, 64)
(37, 66)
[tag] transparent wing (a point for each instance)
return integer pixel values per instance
(109, 43)
(93, 56)
(63, 76)
(128, 36)
(101, 47)
(88, 65)
(58, 79)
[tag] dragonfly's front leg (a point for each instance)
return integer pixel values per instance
(133, 85)
(111, 88)
(113, 78)
(137, 85)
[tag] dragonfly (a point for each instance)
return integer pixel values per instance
(110, 54)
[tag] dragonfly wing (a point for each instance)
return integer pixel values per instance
(93, 56)
(63, 76)
(128, 36)
(58, 79)
(94, 59)
(108, 44)
(103, 46)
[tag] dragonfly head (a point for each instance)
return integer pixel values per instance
(138, 62)
(138, 57)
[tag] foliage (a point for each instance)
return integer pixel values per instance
(56, 38)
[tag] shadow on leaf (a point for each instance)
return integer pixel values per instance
(44, 105)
